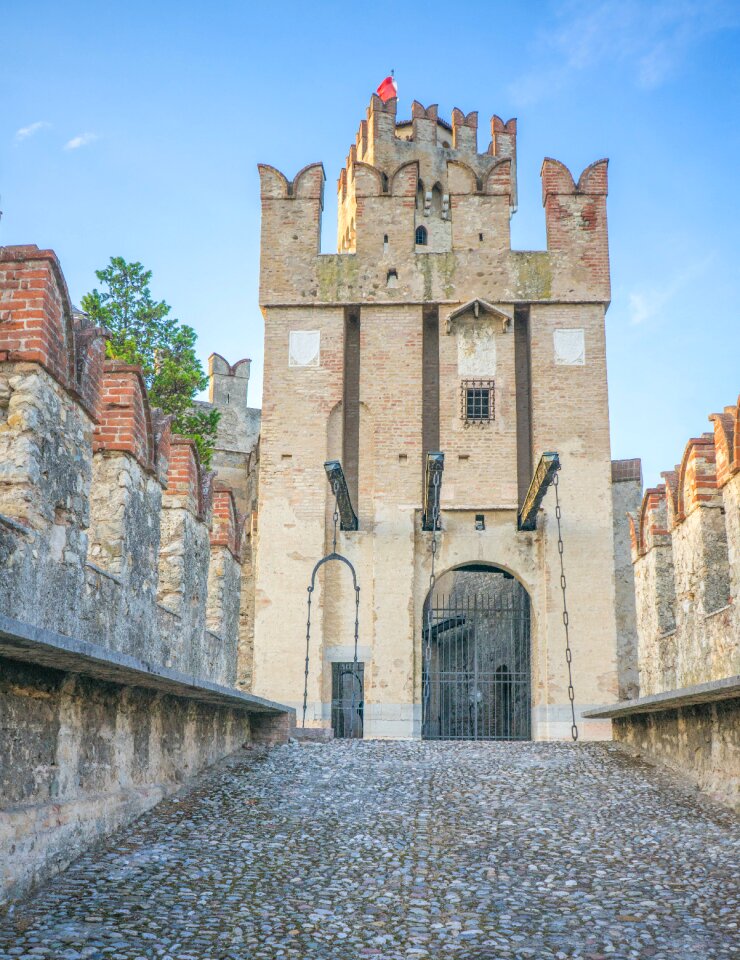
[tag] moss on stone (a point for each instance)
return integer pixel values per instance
(440, 267)
(337, 276)
(534, 280)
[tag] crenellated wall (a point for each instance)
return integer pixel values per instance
(225, 572)
(120, 584)
(685, 547)
(425, 172)
(236, 461)
(106, 518)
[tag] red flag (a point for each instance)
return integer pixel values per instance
(388, 89)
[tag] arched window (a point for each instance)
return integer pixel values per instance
(421, 236)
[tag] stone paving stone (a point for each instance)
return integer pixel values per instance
(391, 850)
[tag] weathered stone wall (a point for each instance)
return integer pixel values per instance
(45, 470)
(700, 742)
(105, 514)
(107, 541)
(81, 757)
(685, 544)
(626, 498)
(236, 461)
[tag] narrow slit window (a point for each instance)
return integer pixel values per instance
(477, 401)
(421, 236)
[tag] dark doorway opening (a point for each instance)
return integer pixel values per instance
(348, 700)
(477, 677)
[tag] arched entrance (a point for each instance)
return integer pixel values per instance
(479, 678)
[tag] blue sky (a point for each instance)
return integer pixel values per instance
(135, 128)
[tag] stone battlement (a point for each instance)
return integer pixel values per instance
(685, 550)
(107, 527)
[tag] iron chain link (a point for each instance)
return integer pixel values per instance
(335, 519)
(335, 516)
(566, 618)
(430, 601)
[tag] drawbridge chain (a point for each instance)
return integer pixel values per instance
(566, 619)
(430, 521)
(546, 475)
(342, 509)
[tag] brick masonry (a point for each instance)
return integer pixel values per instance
(401, 176)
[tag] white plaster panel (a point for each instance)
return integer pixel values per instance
(476, 351)
(304, 348)
(570, 347)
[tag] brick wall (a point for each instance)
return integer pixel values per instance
(398, 176)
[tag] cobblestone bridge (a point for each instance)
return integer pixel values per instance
(404, 850)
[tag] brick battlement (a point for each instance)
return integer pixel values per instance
(187, 480)
(425, 180)
(685, 552)
(227, 529)
(125, 422)
(37, 324)
(95, 546)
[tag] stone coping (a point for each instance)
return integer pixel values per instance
(725, 689)
(23, 641)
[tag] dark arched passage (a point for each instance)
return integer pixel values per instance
(477, 676)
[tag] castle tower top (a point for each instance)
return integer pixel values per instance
(424, 206)
(384, 145)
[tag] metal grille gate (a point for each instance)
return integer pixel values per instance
(347, 700)
(479, 669)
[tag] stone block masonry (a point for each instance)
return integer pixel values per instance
(236, 461)
(111, 535)
(685, 543)
(626, 498)
(686, 558)
(92, 738)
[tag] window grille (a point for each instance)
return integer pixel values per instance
(477, 401)
(421, 236)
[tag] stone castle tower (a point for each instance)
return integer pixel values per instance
(427, 332)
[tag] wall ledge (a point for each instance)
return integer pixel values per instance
(728, 688)
(36, 645)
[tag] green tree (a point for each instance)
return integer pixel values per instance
(143, 332)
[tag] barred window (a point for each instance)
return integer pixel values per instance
(421, 236)
(477, 402)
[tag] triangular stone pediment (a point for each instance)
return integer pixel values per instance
(474, 309)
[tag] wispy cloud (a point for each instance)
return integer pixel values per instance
(25, 132)
(81, 141)
(649, 40)
(649, 302)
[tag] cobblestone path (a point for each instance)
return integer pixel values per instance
(404, 850)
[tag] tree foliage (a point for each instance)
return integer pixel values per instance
(143, 332)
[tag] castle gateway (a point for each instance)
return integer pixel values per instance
(427, 333)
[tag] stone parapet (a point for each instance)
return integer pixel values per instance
(694, 731)
(685, 550)
(98, 738)
(108, 515)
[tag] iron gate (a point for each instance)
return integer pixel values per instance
(479, 667)
(347, 700)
